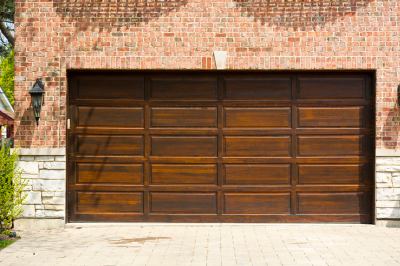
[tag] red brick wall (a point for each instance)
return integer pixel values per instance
(53, 36)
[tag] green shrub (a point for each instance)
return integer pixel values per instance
(11, 188)
(7, 75)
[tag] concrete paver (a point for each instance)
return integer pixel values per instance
(206, 244)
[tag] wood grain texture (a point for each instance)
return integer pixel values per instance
(184, 117)
(217, 146)
(93, 173)
(262, 203)
(183, 174)
(257, 174)
(257, 117)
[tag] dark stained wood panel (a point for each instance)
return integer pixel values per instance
(257, 88)
(260, 203)
(331, 87)
(257, 117)
(181, 87)
(184, 146)
(257, 146)
(220, 146)
(109, 202)
(183, 174)
(331, 173)
(331, 117)
(94, 173)
(332, 203)
(184, 117)
(97, 145)
(257, 174)
(331, 145)
(189, 203)
(121, 117)
(110, 87)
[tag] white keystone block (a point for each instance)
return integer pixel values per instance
(29, 167)
(49, 214)
(54, 165)
(52, 174)
(48, 185)
(28, 211)
(33, 197)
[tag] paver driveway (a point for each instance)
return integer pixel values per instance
(210, 244)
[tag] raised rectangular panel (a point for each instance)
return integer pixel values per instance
(257, 174)
(257, 117)
(98, 145)
(331, 117)
(184, 146)
(183, 87)
(258, 146)
(331, 88)
(184, 174)
(330, 174)
(189, 203)
(184, 117)
(122, 117)
(109, 202)
(331, 145)
(257, 203)
(257, 88)
(332, 203)
(111, 87)
(97, 173)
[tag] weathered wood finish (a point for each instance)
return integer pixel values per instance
(220, 147)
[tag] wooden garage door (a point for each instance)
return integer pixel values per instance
(220, 146)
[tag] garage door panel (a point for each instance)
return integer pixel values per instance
(184, 174)
(99, 87)
(188, 203)
(184, 117)
(331, 173)
(257, 174)
(109, 145)
(257, 146)
(333, 203)
(331, 117)
(184, 146)
(331, 145)
(257, 88)
(109, 202)
(181, 87)
(96, 173)
(260, 203)
(110, 117)
(331, 88)
(257, 117)
(172, 146)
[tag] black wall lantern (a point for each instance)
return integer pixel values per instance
(37, 92)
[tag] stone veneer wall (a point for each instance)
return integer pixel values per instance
(388, 187)
(44, 169)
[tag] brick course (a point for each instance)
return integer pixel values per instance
(53, 36)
